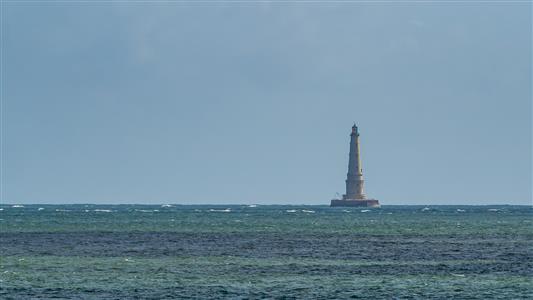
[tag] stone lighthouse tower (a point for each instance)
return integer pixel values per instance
(354, 180)
(355, 195)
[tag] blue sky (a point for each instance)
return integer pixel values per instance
(253, 103)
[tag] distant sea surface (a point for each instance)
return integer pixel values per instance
(251, 252)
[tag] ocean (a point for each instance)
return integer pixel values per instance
(271, 252)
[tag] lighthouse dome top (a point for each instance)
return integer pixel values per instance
(355, 130)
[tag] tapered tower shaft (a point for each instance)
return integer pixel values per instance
(354, 180)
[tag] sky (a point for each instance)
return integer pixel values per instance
(242, 103)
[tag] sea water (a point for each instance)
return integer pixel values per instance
(255, 251)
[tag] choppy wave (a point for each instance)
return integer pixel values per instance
(146, 210)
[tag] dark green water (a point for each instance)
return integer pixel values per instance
(289, 252)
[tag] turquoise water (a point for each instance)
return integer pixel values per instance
(246, 252)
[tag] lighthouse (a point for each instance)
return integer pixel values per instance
(355, 195)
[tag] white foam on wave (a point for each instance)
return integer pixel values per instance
(493, 209)
(345, 210)
(308, 211)
(220, 210)
(252, 205)
(40, 208)
(144, 210)
(426, 209)
(291, 210)
(17, 206)
(461, 210)
(103, 210)
(62, 210)
(166, 205)
(1, 209)
(365, 210)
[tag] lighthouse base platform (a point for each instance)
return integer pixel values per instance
(355, 203)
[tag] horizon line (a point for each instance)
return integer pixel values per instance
(248, 204)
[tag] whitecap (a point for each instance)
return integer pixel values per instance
(144, 210)
(493, 209)
(426, 209)
(308, 211)
(103, 210)
(40, 208)
(166, 205)
(291, 210)
(1, 209)
(365, 210)
(458, 275)
(17, 205)
(461, 210)
(62, 210)
(252, 205)
(220, 210)
(345, 210)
